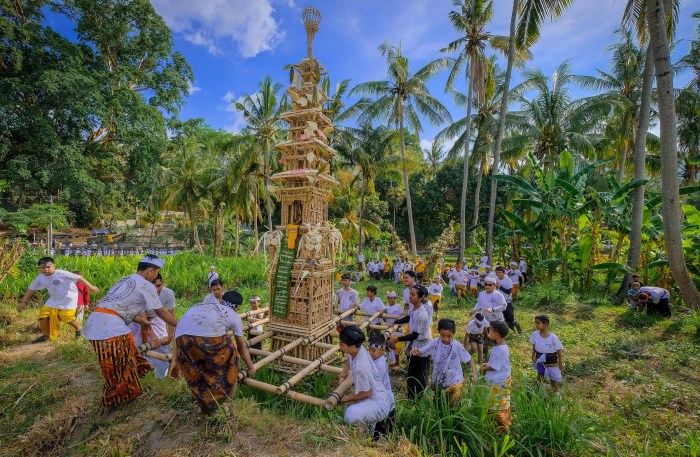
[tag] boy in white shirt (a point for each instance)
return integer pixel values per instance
(395, 309)
(63, 299)
(346, 297)
(435, 291)
(547, 352)
(372, 404)
(473, 282)
(497, 376)
(448, 355)
(473, 338)
(377, 349)
(371, 304)
(515, 277)
(505, 287)
(460, 278)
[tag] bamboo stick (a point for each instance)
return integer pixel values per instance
(372, 326)
(322, 345)
(255, 323)
(291, 394)
(309, 369)
(297, 361)
(359, 312)
(338, 393)
(273, 355)
(259, 338)
(254, 312)
(159, 356)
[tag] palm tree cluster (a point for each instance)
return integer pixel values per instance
(592, 150)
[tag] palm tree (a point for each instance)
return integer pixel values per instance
(152, 216)
(670, 210)
(622, 86)
(365, 149)
(552, 121)
(261, 112)
(399, 99)
(470, 21)
(534, 14)
(185, 177)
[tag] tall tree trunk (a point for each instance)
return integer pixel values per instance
(218, 229)
(195, 233)
(255, 220)
(362, 213)
(266, 172)
(238, 235)
(409, 206)
(501, 129)
(670, 209)
(479, 172)
(150, 239)
(465, 177)
(640, 147)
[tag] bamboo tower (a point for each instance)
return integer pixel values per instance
(303, 247)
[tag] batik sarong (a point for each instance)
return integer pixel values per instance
(121, 367)
(210, 366)
(499, 402)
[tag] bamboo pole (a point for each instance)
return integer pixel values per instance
(254, 312)
(259, 338)
(255, 323)
(159, 356)
(273, 356)
(291, 394)
(298, 361)
(338, 393)
(309, 369)
(372, 326)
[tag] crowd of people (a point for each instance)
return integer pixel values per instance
(140, 309)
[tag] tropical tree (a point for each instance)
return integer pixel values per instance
(434, 155)
(261, 112)
(365, 149)
(399, 100)
(552, 121)
(470, 21)
(533, 14)
(670, 210)
(185, 178)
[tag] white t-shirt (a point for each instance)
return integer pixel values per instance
(500, 362)
(370, 266)
(128, 297)
(398, 267)
(656, 293)
(447, 361)
(255, 317)
(383, 371)
(209, 320)
(361, 258)
(428, 305)
(63, 293)
(474, 329)
(460, 277)
(406, 295)
(346, 298)
(210, 298)
(158, 325)
(366, 377)
(473, 280)
(396, 310)
(522, 265)
(211, 277)
(435, 290)
(507, 284)
(514, 275)
(547, 345)
(420, 322)
(493, 300)
(485, 260)
(380, 266)
(372, 307)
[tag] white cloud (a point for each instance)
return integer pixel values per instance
(192, 89)
(218, 24)
(236, 122)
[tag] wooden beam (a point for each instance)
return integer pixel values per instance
(338, 393)
(259, 338)
(254, 312)
(291, 394)
(159, 356)
(309, 369)
(298, 361)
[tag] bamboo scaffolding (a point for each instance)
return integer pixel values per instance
(291, 394)
(247, 327)
(298, 361)
(254, 312)
(259, 338)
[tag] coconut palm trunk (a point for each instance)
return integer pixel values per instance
(640, 143)
(266, 172)
(670, 209)
(479, 172)
(362, 214)
(501, 128)
(409, 205)
(465, 180)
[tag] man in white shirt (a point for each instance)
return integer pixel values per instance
(657, 299)
(107, 330)
(522, 266)
(505, 287)
(361, 261)
(212, 275)
(398, 269)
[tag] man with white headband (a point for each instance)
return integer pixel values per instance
(212, 275)
(108, 331)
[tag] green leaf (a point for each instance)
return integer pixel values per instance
(610, 266)
(517, 221)
(687, 190)
(585, 247)
(567, 164)
(518, 182)
(573, 191)
(657, 263)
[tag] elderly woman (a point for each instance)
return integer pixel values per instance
(205, 354)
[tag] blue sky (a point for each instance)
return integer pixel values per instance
(233, 44)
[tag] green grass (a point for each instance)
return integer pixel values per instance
(630, 387)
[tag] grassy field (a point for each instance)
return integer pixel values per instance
(631, 387)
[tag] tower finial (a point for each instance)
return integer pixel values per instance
(311, 17)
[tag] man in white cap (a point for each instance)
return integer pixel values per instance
(212, 275)
(107, 330)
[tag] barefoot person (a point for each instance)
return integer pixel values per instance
(63, 299)
(109, 334)
(204, 353)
